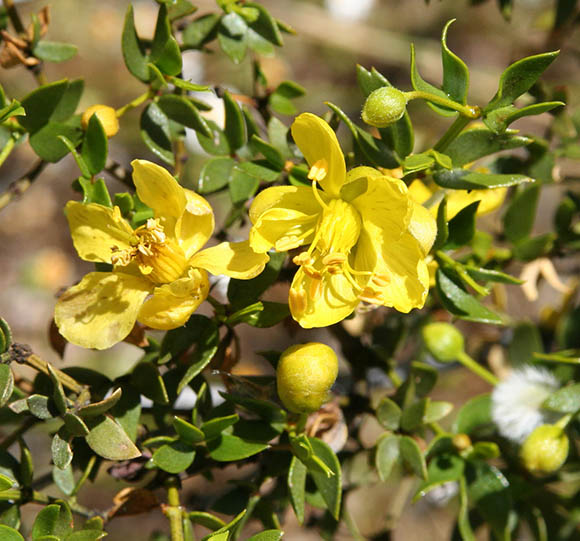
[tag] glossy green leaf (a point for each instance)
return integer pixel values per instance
(47, 144)
(58, 394)
(489, 275)
(269, 152)
(12, 109)
(215, 174)
(455, 72)
(214, 427)
(462, 226)
(526, 341)
(86, 535)
(488, 489)
(40, 104)
(412, 416)
(64, 479)
(499, 119)
(154, 129)
(181, 110)
(61, 451)
(296, 487)
(217, 144)
(463, 524)
(267, 535)
(424, 378)
(207, 520)
(5, 483)
(187, 432)
(233, 37)
(463, 179)
(418, 162)
(520, 215)
(442, 469)
(388, 414)
(412, 456)
(9, 534)
(98, 408)
(127, 411)
(482, 450)
(475, 413)
(386, 455)
(147, 379)
(75, 426)
(475, 143)
(53, 51)
(6, 334)
(6, 383)
(133, 51)
(461, 303)
(93, 192)
(228, 448)
(436, 410)
(242, 185)
(226, 530)
(330, 487)
(442, 226)
(174, 457)
(54, 519)
(95, 146)
(69, 102)
(281, 99)
(564, 400)
(265, 25)
(534, 247)
(108, 439)
(518, 78)
(201, 30)
(41, 406)
(191, 87)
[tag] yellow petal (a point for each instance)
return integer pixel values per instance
(419, 192)
(157, 188)
(423, 227)
(321, 302)
(385, 208)
(297, 198)
(317, 141)
(459, 199)
(234, 259)
(195, 226)
(101, 310)
(97, 230)
(402, 263)
(172, 304)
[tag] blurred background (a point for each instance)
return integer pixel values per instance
(36, 254)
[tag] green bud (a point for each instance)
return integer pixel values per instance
(384, 106)
(443, 341)
(545, 449)
(304, 376)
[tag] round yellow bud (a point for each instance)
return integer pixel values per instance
(443, 341)
(304, 376)
(384, 106)
(106, 115)
(545, 449)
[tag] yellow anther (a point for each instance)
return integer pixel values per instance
(381, 280)
(297, 301)
(371, 296)
(333, 259)
(302, 259)
(319, 170)
(312, 272)
(315, 289)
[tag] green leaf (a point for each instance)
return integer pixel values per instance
(489, 275)
(476, 143)
(463, 524)
(475, 413)
(41, 407)
(462, 227)
(61, 451)
(53, 51)
(482, 450)
(387, 454)
(95, 146)
(271, 153)
(64, 479)
(296, 487)
(424, 378)
(181, 110)
(564, 400)
(412, 455)
(93, 192)
(330, 487)
(12, 109)
(108, 439)
(217, 144)
(215, 174)
(6, 384)
(488, 489)
(422, 86)
(9, 534)
(133, 53)
(5, 336)
(69, 102)
(525, 342)
(267, 535)
(98, 408)
(418, 162)
(206, 520)
(518, 78)
(214, 427)
(388, 414)
(193, 87)
(436, 410)
(5, 483)
(499, 119)
(200, 31)
(280, 99)
(265, 25)
(412, 416)
(226, 530)
(47, 144)
(187, 432)
(455, 72)
(270, 314)
(228, 448)
(154, 129)
(41, 104)
(58, 394)
(442, 227)
(127, 411)
(534, 247)
(442, 469)
(463, 179)
(461, 303)
(242, 185)
(147, 379)
(519, 217)
(86, 174)
(86, 535)
(54, 519)
(233, 36)
(174, 457)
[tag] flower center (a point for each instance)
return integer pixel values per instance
(158, 257)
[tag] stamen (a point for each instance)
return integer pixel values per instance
(297, 301)
(333, 259)
(319, 170)
(317, 195)
(315, 289)
(302, 259)
(381, 280)
(371, 296)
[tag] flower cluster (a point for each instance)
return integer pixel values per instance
(356, 236)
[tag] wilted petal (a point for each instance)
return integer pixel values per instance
(97, 230)
(318, 142)
(234, 259)
(172, 304)
(101, 310)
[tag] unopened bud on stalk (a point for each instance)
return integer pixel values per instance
(443, 341)
(384, 106)
(304, 376)
(107, 117)
(545, 449)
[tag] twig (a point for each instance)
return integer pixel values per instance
(18, 187)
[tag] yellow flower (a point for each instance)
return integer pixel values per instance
(367, 238)
(160, 260)
(459, 199)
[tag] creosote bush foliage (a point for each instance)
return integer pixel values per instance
(359, 248)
